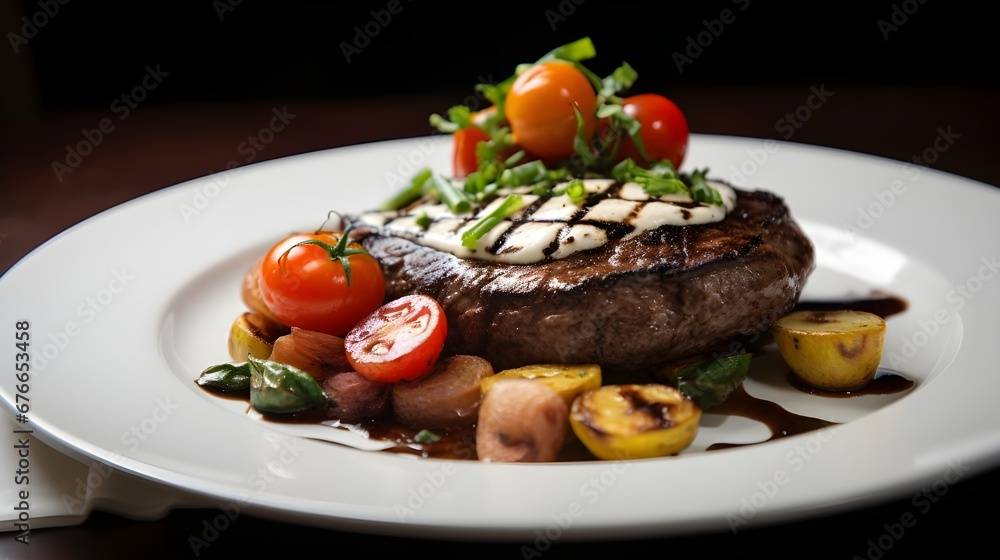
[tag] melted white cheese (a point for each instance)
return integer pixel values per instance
(552, 228)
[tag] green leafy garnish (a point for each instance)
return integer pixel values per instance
(423, 220)
(498, 171)
(710, 382)
(280, 388)
(226, 377)
(702, 191)
(426, 436)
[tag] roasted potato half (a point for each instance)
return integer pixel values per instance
(568, 380)
(634, 421)
(837, 350)
(252, 334)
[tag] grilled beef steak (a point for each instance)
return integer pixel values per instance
(635, 301)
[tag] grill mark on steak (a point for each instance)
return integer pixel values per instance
(635, 302)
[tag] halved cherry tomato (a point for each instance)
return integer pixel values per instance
(664, 130)
(540, 108)
(401, 340)
(307, 285)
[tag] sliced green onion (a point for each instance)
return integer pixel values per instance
(455, 199)
(412, 192)
(472, 235)
(524, 174)
(576, 191)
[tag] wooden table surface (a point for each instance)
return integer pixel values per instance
(160, 144)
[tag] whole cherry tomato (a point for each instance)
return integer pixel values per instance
(464, 159)
(320, 282)
(664, 130)
(541, 108)
(401, 340)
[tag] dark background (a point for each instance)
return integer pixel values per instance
(88, 55)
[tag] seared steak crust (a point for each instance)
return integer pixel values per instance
(665, 294)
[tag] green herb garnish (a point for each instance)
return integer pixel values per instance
(510, 205)
(426, 436)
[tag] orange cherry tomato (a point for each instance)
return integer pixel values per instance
(401, 340)
(540, 108)
(664, 129)
(307, 285)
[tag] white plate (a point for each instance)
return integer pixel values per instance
(128, 307)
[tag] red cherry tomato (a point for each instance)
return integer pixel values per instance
(304, 286)
(464, 159)
(664, 130)
(540, 108)
(401, 340)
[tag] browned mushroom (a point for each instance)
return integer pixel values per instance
(521, 420)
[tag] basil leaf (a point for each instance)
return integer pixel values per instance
(581, 49)
(620, 80)
(280, 388)
(581, 145)
(226, 377)
(702, 191)
(709, 383)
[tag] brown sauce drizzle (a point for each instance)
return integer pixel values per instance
(781, 422)
(883, 305)
(884, 383)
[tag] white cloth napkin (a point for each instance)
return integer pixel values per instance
(44, 488)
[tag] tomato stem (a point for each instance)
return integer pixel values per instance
(339, 252)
